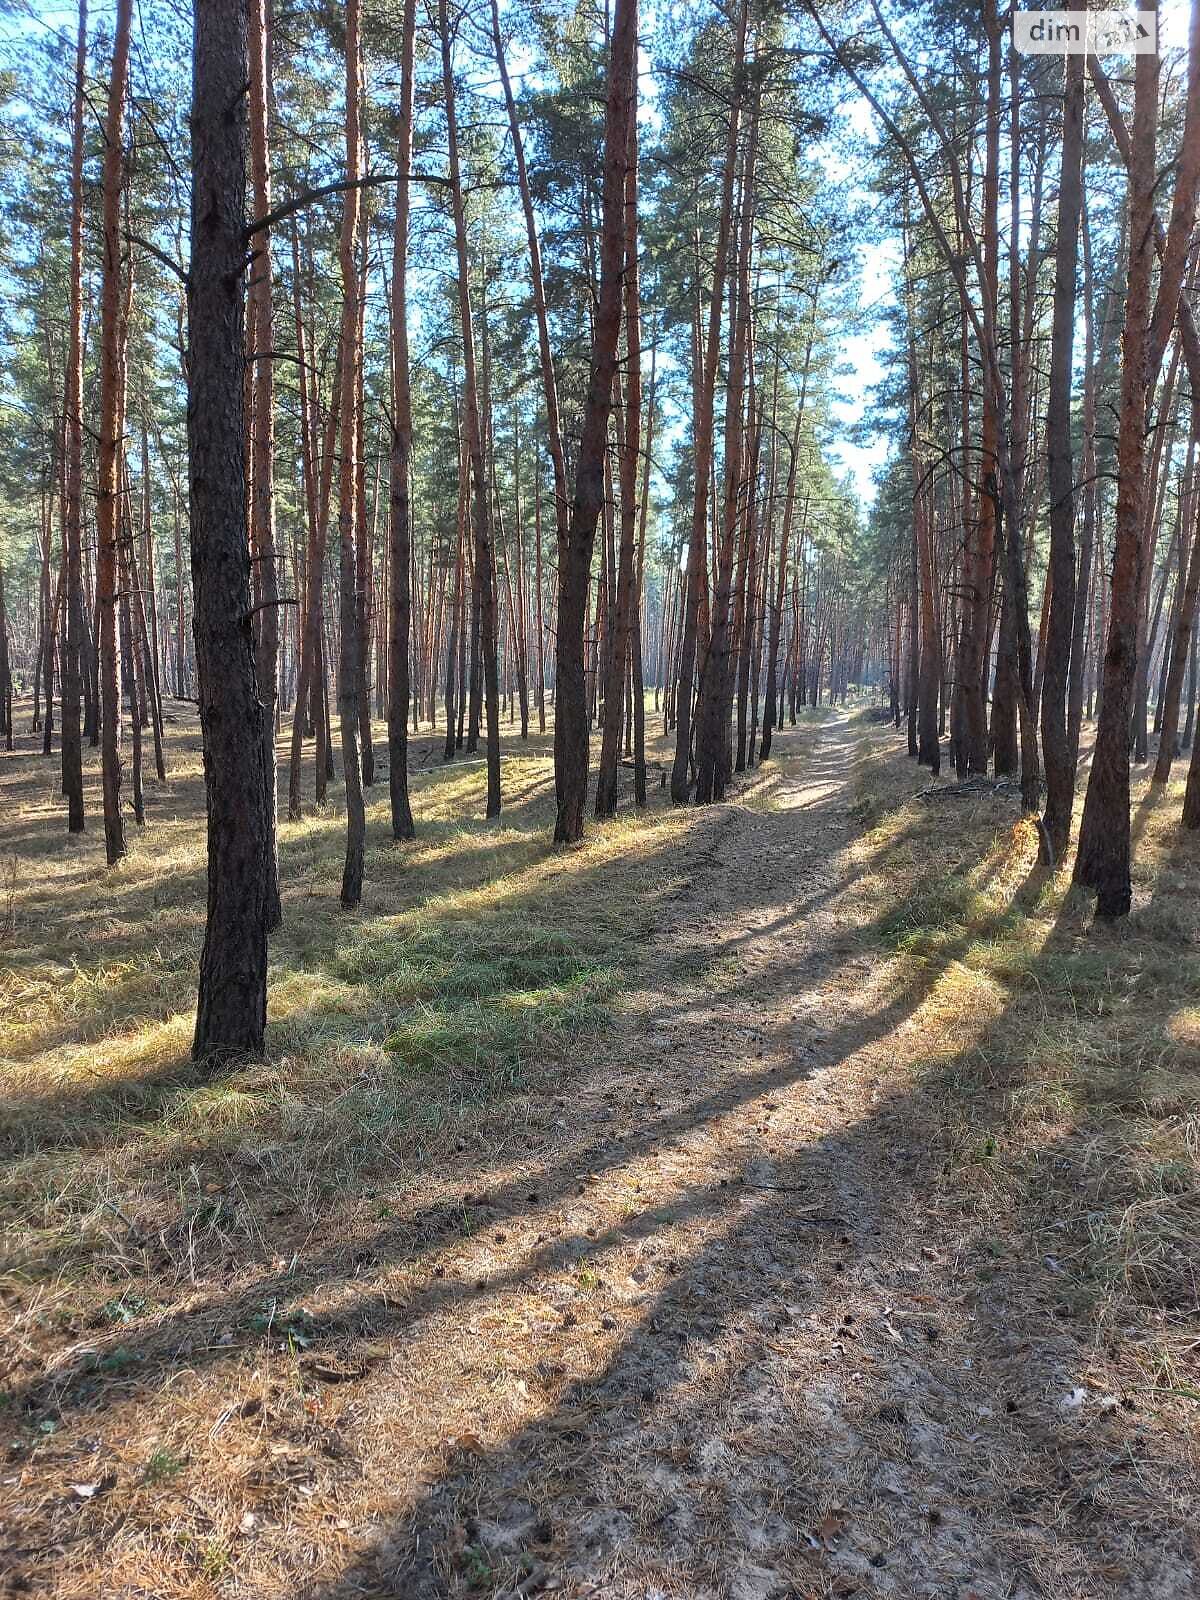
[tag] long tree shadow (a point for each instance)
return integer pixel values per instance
(779, 1389)
(156, 1350)
(789, 1411)
(394, 1243)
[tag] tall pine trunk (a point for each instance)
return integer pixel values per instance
(484, 675)
(72, 737)
(606, 782)
(400, 517)
(1103, 859)
(1057, 752)
(575, 566)
(112, 409)
(265, 584)
(705, 361)
(232, 1005)
(349, 664)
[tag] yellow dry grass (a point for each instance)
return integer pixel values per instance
(529, 1118)
(1065, 1054)
(476, 949)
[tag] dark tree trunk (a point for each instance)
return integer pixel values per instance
(713, 700)
(132, 678)
(72, 741)
(265, 585)
(1103, 859)
(705, 362)
(770, 703)
(399, 523)
(349, 662)
(1185, 616)
(148, 623)
(6, 687)
(111, 430)
(575, 563)
(970, 720)
(232, 1007)
(485, 680)
(1056, 744)
(638, 688)
(606, 781)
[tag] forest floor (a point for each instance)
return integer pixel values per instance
(792, 1198)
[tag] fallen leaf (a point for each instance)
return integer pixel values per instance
(831, 1527)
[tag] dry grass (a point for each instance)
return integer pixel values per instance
(1064, 1055)
(627, 1219)
(477, 951)
(401, 1037)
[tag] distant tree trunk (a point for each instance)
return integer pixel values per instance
(714, 693)
(970, 743)
(399, 523)
(130, 674)
(575, 564)
(265, 584)
(1185, 613)
(538, 590)
(606, 782)
(310, 675)
(112, 411)
(72, 740)
(776, 621)
(1083, 587)
(705, 362)
(549, 386)
(484, 618)
(746, 630)
(349, 665)
(638, 685)
(326, 771)
(1103, 859)
(520, 617)
(182, 683)
(232, 1007)
(912, 681)
(457, 618)
(1060, 576)
(93, 713)
(928, 746)
(363, 541)
(148, 623)
(46, 614)
(1010, 474)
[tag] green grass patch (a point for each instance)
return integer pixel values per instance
(944, 909)
(480, 996)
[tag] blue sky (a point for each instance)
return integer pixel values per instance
(876, 262)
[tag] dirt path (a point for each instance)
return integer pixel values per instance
(729, 1348)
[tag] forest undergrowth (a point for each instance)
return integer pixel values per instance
(1062, 1056)
(297, 1328)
